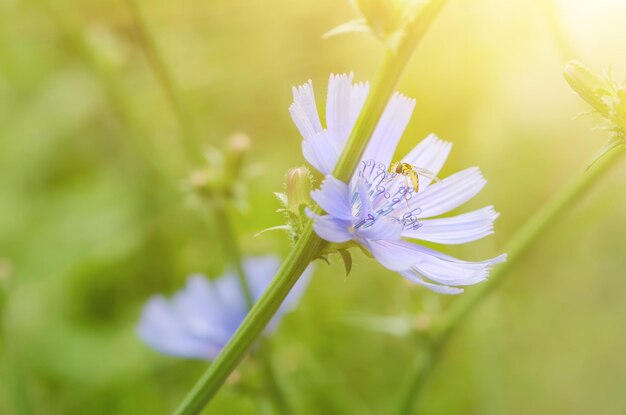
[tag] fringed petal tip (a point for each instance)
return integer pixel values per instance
(439, 289)
(460, 229)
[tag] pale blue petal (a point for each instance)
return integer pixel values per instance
(430, 154)
(459, 229)
(200, 309)
(261, 271)
(303, 111)
(334, 197)
(450, 193)
(343, 105)
(330, 228)
(476, 264)
(383, 228)
(403, 255)
(396, 255)
(161, 328)
(233, 306)
(201, 318)
(439, 289)
(444, 269)
(389, 130)
(320, 152)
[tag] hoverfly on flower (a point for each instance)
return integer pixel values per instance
(410, 172)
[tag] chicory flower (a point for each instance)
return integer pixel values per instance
(382, 210)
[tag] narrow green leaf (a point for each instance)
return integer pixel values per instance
(613, 143)
(353, 26)
(286, 228)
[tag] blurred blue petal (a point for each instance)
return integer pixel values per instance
(200, 319)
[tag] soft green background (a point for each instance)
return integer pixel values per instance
(93, 219)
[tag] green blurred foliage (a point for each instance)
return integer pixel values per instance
(93, 218)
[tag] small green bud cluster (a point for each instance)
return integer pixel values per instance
(224, 172)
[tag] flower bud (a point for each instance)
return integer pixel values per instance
(590, 87)
(236, 150)
(298, 188)
(606, 97)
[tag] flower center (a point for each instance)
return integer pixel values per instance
(385, 195)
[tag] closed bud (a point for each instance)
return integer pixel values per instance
(606, 97)
(595, 90)
(298, 188)
(237, 148)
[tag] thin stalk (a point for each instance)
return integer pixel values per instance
(166, 79)
(423, 366)
(231, 249)
(522, 241)
(271, 379)
(309, 246)
(75, 39)
(13, 370)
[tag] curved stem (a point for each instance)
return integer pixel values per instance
(230, 246)
(271, 379)
(309, 245)
(231, 249)
(519, 245)
(302, 254)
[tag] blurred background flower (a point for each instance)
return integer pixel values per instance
(200, 319)
(93, 220)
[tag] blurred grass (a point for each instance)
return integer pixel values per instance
(93, 219)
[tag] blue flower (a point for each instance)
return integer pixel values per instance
(200, 319)
(380, 210)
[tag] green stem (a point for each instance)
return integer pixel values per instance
(252, 326)
(271, 379)
(524, 239)
(309, 245)
(388, 75)
(166, 79)
(422, 368)
(231, 249)
(11, 360)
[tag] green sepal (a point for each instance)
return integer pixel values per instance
(347, 260)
